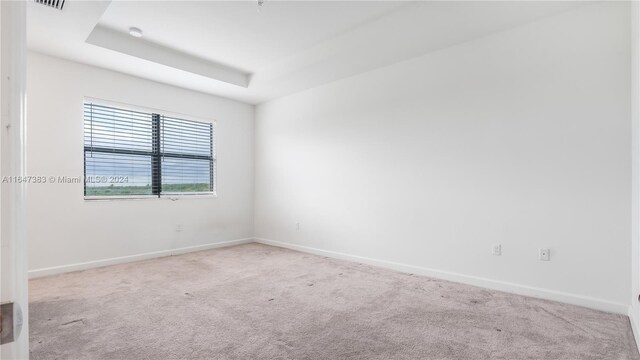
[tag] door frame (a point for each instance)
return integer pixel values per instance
(13, 240)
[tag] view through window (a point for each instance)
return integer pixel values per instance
(136, 153)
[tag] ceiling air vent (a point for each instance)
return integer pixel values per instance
(56, 4)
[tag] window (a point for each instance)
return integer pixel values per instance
(137, 153)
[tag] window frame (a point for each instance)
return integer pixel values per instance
(160, 195)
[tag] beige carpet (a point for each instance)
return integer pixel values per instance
(259, 302)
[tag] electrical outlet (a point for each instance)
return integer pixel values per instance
(297, 226)
(179, 228)
(544, 254)
(496, 250)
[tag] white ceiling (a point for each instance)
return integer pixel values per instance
(229, 48)
(236, 33)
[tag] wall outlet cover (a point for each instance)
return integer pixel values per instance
(544, 254)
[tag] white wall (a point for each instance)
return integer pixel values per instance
(68, 230)
(634, 311)
(521, 138)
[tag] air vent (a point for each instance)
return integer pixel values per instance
(56, 4)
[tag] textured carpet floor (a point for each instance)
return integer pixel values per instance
(259, 302)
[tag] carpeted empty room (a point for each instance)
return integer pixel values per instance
(261, 302)
(311, 179)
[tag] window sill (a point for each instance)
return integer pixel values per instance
(171, 197)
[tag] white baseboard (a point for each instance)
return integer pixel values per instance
(585, 301)
(634, 326)
(568, 298)
(130, 258)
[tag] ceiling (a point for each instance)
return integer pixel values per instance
(236, 33)
(252, 53)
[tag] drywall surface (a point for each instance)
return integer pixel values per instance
(521, 139)
(67, 230)
(634, 311)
